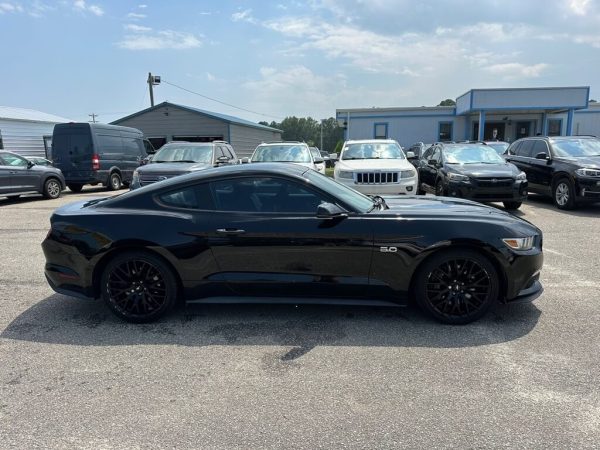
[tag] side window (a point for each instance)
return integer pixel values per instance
(191, 197)
(514, 148)
(525, 148)
(539, 147)
(218, 152)
(264, 195)
(229, 152)
(437, 154)
(148, 147)
(225, 151)
(14, 160)
(427, 154)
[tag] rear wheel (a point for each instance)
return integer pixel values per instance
(563, 194)
(75, 187)
(457, 287)
(52, 188)
(512, 205)
(114, 182)
(138, 287)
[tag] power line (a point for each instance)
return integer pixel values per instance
(223, 103)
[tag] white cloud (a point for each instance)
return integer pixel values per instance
(210, 76)
(517, 70)
(6, 7)
(243, 16)
(137, 28)
(82, 6)
(133, 15)
(142, 6)
(167, 39)
(579, 7)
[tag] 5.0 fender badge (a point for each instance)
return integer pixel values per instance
(388, 249)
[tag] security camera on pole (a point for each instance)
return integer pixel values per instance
(153, 80)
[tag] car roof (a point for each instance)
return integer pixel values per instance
(370, 141)
(282, 143)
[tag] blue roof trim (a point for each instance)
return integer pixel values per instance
(224, 117)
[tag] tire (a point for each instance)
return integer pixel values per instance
(439, 189)
(138, 287)
(420, 191)
(512, 206)
(52, 188)
(114, 182)
(563, 194)
(75, 187)
(456, 286)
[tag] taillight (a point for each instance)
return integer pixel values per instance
(95, 162)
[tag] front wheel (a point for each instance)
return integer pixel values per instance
(439, 189)
(52, 188)
(138, 287)
(457, 287)
(512, 206)
(563, 194)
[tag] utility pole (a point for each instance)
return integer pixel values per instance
(93, 116)
(152, 81)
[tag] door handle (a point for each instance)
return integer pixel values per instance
(230, 231)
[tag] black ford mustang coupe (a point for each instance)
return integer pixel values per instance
(279, 232)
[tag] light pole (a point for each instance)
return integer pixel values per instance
(321, 147)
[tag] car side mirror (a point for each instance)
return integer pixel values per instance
(542, 155)
(223, 159)
(411, 155)
(245, 160)
(330, 211)
(333, 156)
(30, 164)
(319, 160)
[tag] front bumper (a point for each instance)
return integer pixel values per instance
(406, 186)
(474, 190)
(587, 189)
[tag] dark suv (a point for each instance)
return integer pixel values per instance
(567, 168)
(177, 157)
(20, 176)
(473, 171)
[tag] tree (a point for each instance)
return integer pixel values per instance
(447, 102)
(307, 129)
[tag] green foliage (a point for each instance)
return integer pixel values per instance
(447, 102)
(338, 147)
(307, 129)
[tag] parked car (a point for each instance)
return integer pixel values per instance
(294, 152)
(376, 166)
(93, 153)
(20, 176)
(39, 161)
(499, 146)
(473, 171)
(285, 231)
(177, 158)
(329, 161)
(566, 168)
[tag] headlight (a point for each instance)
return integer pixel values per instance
(345, 174)
(408, 173)
(457, 177)
(522, 176)
(588, 172)
(136, 177)
(520, 243)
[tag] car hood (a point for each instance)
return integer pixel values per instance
(588, 161)
(500, 170)
(374, 164)
(171, 168)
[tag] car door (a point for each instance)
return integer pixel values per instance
(540, 169)
(268, 240)
(520, 156)
(425, 170)
(22, 176)
(431, 167)
(5, 177)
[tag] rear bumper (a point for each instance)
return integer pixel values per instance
(66, 270)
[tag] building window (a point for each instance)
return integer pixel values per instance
(554, 127)
(445, 131)
(380, 131)
(158, 141)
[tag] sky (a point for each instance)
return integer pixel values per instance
(275, 59)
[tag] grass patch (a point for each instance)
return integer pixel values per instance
(329, 171)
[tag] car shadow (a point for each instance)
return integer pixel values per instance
(583, 210)
(68, 321)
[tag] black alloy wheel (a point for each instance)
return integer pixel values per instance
(52, 188)
(563, 194)
(511, 206)
(75, 187)
(457, 287)
(114, 182)
(439, 189)
(138, 287)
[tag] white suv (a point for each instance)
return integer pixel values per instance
(294, 152)
(376, 166)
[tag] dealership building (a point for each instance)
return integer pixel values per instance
(481, 114)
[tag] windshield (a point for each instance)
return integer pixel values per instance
(500, 147)
(184, 153)
(372, 150)
(472, 154)
(354, 199)
(281, 153)
(576, 147)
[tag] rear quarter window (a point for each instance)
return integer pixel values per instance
(190, 197)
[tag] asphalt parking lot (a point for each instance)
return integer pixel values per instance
(229, 376)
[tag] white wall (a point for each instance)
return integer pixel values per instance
(25, 138)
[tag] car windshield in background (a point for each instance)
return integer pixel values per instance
(372, 151)
(472, 154)
(576, 147)
(184, 153)
(357, 201)
(500, 147)
(281, 153)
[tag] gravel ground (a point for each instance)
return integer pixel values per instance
(260, 376)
